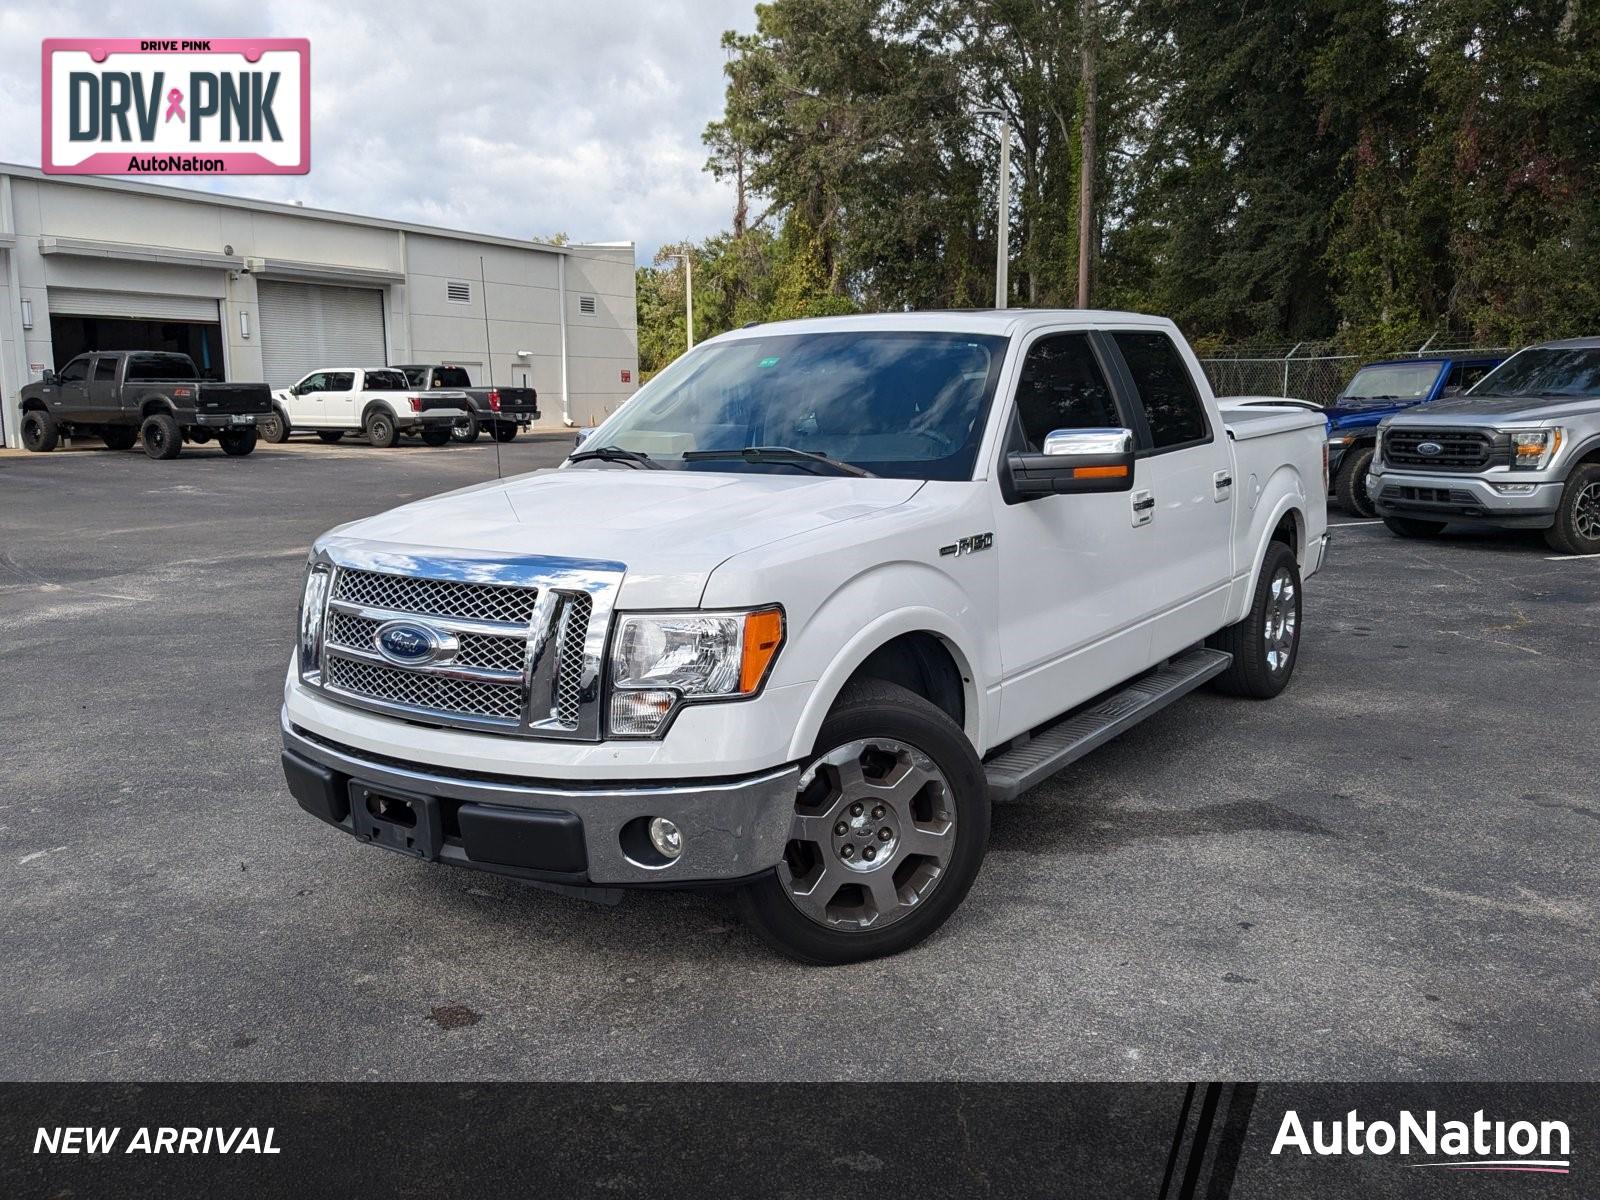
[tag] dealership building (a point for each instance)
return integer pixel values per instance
(256, 290)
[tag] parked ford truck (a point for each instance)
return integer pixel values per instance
(152, 396)
(1521, 450)
(501, 410)
(377, 401)
(798, 613)
(1376, 391)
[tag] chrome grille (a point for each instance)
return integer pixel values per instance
(433, 693)
(475, 649)
(438, 597)
(569, 671)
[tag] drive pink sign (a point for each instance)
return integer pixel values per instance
(218, 106)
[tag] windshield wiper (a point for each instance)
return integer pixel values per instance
(778, 454)
(637, 459)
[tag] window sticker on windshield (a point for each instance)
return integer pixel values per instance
(768, 362)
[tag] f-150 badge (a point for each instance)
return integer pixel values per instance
(968, 545)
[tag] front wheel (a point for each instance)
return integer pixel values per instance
(274, 428)
(236, 443)
(1410, 527)
(1351, 485)
(1577, 527)
(436, 437)
(161, 436)
(505, 431)
(381, 430)
(40, 433)
(891, 822)
(1266, 644)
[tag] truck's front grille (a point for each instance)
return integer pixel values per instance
(438, 597)
(1442, 449)
(512, 657)
(432, 693)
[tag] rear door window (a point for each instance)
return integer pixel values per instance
(1062, 387)
(1166, 390)
(105, 370)
(338, 381)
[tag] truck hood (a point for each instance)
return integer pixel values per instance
(671, 529)
(1498, 410)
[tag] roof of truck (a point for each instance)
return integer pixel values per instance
(1002, 321)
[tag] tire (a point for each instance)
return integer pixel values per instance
(466, 429)
(40, 433)
(1351, 486)
(505, 431)
(1577, 527)
(330, 435)
(437, 437)
(236, 443)
(274, 428)
(1410, 527)
(1266, 644)
(823, 905)
(161, 436)
(380, 429)
(119, 437)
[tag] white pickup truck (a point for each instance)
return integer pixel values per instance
(795, 616)
(377, 401)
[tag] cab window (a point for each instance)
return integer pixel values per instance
(75, 371)
(339, 381)
(1062, 387)
(1166, 390)
(105, 370)
(313, 383)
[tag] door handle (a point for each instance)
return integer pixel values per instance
(1221, 485)
(1144, 507)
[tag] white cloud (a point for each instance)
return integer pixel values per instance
(518, 119)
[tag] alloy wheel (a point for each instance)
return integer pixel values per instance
(1282, 620)
(1586, 512)
(874, 831)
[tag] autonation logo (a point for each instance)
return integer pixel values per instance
(1478, 1145)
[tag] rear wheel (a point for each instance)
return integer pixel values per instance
(465, 429)
(1410, 527)
(505, 431)
(1352, 483)
(1577, 527)
(119, 437)
(330, 435)
(274, 428)
(381, 429)
(890, 826)
(39, 431)
(1266, 644)
(236, 443)
(161, 436)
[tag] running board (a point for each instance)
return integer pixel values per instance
(1020, 768)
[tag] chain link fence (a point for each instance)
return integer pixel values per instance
(1311, 370)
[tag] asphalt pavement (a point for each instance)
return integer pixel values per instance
(1389, 872)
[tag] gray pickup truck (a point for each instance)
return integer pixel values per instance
(151, 396)
(500, 410)
(1521, 450)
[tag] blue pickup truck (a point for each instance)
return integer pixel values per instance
(1376, 391)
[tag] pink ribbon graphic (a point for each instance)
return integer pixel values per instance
(175, 105)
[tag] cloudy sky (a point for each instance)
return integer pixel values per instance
(525, 119)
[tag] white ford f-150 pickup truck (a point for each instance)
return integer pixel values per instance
(798, 613)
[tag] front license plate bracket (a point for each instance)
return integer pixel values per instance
(406, 822)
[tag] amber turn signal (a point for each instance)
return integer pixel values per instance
(763, 634)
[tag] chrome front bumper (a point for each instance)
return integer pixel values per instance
(732, 828)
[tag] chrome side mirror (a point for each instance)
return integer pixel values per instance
(1073, 461)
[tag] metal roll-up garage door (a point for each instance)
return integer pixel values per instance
(309, 325)
(132, 306)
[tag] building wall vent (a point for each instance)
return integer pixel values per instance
(586, 305)
(458, 293)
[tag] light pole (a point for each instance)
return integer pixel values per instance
(688, 297)
(1002, 240)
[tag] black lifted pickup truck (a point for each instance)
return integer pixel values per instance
(500, 410)
(150, 395)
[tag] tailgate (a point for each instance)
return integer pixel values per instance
(225, 399)
(516, 401)
(432, 401)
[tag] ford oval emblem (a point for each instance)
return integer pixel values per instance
(1429, 449)
(409, 643)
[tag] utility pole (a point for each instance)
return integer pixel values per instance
(688, 298)
(1002, 212)
(1087, 242)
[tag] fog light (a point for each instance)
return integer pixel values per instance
(666, 837)
(1514, 489)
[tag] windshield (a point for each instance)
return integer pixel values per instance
(386, 381)
(903, 404)
(1391, 381)
(1544, 371)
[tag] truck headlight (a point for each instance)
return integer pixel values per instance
(313, 604)
(1532, 449)
(660, 661)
